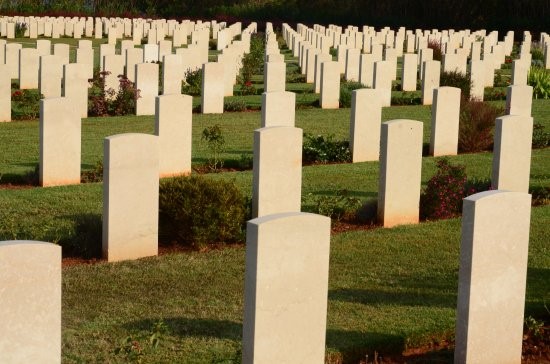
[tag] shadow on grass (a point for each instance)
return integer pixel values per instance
(378, 297)
(538, 292)
(191, 327)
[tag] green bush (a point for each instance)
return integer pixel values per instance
(477, 121)
(215, 141)
(500, 80)
(252, 64)
(234, 106)
(541, 138)
(196, 211)
(537, 53)
(318, 149)
(338, 207)
(25, 104)
(539, 79)
(110, 102)
(346, 87)
(444, 192)
(193, 82)
(457, 79)
(406, 98)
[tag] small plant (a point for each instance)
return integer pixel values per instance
(339, 206)
(539, 79)
(442, 198)
(459, 80)
(500, 80)
(131, 348)
(436, 46)
(406, 98)
(93, 175)
(540, 195)
(246, 87)
(534, 327)
(193, 82)
(20, 29)
(541, 138)
(252, 64)
(537, 53)
(318, 149)
(110, 102)
(234, 106)
(477, 121)
(215, 141)
(346, 88)
(195, 211)
(494, 94)
(25, 104)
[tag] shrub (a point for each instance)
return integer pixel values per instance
(477, 121)
(109, 102)
(339, 206)
(20, 29)
(406, 98)
(459, 80)
(25, 104)
(436, 46)
(215, 141)
(499, 80)
(443, 195)
(539, 79)
(252, 64)
(494, 94)
(234, 106)
(93, 175)
(541, 138)
(537, 53)
(193, 82)
(346, 87)
(318, 149)
(195, 211)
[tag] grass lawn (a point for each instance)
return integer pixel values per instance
(389, 289)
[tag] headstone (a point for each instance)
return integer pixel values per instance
(275, 76)
(277, 177)
(75, 86)
(147, 78)
(150, 53)
(330, 85)
(366, 118)
(114, 64)
(30, 277)
(477, 77)
(492, 276)
(445, 118)
(519, 100)
(319, 59)
(105, 50)
(44, 47)
(519, 73)
(430, 80)
(63, 51)
(383, 80)
(408, 76)
(133, 57)
(278, 108)
(85, 56)
(400, 172)
(212, 88)
(50, 76)
(59, 156)
(352, 64)
(171, 74)
(173, 126)
(512, 153)
(286, 288)
(28, 68)
(130, 215)
(5, 93)
(12, 58)
(310, 64)
(366, 69)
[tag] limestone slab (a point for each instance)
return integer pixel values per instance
(445, 121)
(366, 119)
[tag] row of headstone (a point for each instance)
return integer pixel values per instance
(286, 280)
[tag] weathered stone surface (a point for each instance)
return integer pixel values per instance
(130, 215)
(383, 80)
(278, 108)
(147, 78)
(171, 74)
(286, 288)
(274, 76)
(30, 319)
(519, 100)
(492, 276)
(430, 80)
(330, 85)
(212, 88)
(408, 76)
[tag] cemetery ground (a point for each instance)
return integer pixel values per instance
(390, 290)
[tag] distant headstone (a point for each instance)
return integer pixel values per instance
(445, 118)
(212, 88)
(430, 80)
(147, 78)
(366, 118)
(519, 100)
(330, 85)
(278, 108)
(5, 93)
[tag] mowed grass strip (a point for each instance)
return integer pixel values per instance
(389, 289)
